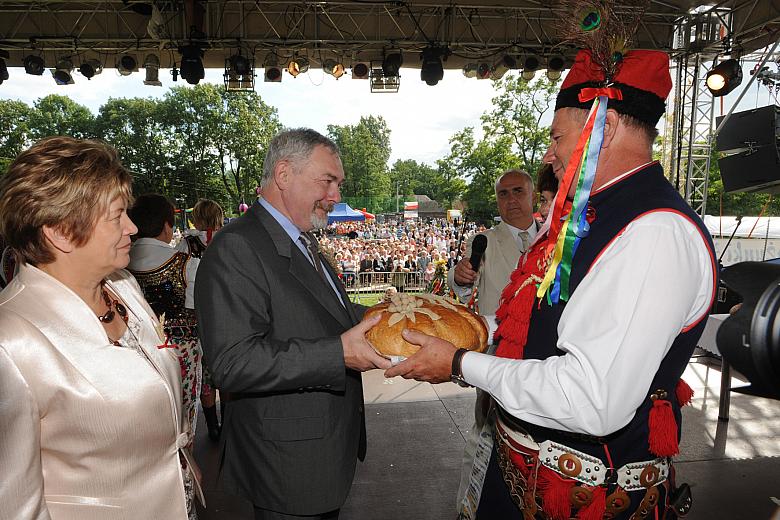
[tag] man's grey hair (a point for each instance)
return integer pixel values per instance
(516, 171)
(295, 145)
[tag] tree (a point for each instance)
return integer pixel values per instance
(59, 115)
(481, 163)
(15, 136)
(365, 150)
(519, 108)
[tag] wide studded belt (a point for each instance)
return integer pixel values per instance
(582, 467)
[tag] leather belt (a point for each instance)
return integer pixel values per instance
(580, 466)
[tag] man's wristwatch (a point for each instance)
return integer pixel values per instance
(456, 375)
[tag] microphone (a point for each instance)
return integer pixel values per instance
(478, 246)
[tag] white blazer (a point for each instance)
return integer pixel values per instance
(88, 431)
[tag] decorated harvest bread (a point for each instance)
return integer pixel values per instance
(433, 315)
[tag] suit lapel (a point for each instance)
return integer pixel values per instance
(301, 268)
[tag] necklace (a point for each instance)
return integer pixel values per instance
(113, 305)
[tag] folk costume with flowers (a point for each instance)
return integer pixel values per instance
(596, 327)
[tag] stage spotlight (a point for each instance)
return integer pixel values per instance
(502, 66)
(470, 70)
(432, 70)
(239, 73)
(391, 64)
(152, 66)
(297, 66)
(555, 65)
(126, 65)
(34, 65)
(484, 70)
(724, 77)
(90, 68)
(360, 70)
(191, 68)
(62, 72)
(3, 68)
(334, 68)
(273, 73)
(530, 64)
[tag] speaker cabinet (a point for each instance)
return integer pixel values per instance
(752, 138)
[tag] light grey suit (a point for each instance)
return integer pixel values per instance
(270, 330)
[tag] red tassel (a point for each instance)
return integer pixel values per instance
(555, 492)
(663, 429)
(598, 506)
(684, 393)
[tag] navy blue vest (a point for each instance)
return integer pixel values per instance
(646, 190)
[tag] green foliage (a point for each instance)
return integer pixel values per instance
(365, 150)
(15, 136)
(415, 178)
(59, 115)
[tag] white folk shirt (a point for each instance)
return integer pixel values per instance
(649, 284)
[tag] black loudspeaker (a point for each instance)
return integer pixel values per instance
(752, 138)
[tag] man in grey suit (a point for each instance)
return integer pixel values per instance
(280, 334)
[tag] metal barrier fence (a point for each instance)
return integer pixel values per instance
(372, 284)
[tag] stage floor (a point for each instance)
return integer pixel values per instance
(416, 436)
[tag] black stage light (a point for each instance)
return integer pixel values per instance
(62, 73)
(555, 66)
(126, 65)
(191, 68)
(3, 68)
(298, 66)
(334, 68)
(724, 77)
(240, 65)
(34, 65)
(360, 70)
(432, 70)
(391, 65)
(90, 68)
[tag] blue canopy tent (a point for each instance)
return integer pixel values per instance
(342, 212)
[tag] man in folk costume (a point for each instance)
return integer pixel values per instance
(598, 321)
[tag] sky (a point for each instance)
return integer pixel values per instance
(421, 118)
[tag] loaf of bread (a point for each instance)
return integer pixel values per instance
(427, 313)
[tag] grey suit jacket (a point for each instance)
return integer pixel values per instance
(270, 328)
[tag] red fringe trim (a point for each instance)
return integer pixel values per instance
(555, 492)
(663, 429)
(684, 393)
(596, 509)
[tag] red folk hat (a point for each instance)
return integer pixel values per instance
(638, 89)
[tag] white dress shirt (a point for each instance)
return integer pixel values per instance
(649, 284)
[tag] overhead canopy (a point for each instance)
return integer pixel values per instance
(366, 214)
(342, 212)
(350, 31)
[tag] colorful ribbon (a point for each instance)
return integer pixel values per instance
(566, 231)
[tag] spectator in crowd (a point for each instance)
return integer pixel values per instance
(91, 417)
(546, 187)
(167, 279)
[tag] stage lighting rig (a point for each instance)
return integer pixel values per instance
(381, 82)
(90, 68)
(34, 65)
(360, 70)
(432, 70)
(152, 66)
(530, 64)
(555, 65)
(502, 66)
(62, 73)
(724, 77)
(470, 70)
(191, 68)
(297, 65)
(334, 68)
(391, 64)
(126, 65)
(3, 68)
(483, 71)
(273, 73)
(239, 73)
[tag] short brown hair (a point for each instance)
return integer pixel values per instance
(207, 214)
(61, 182)
(150, 212)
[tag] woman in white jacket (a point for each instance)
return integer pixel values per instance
(91, 424)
